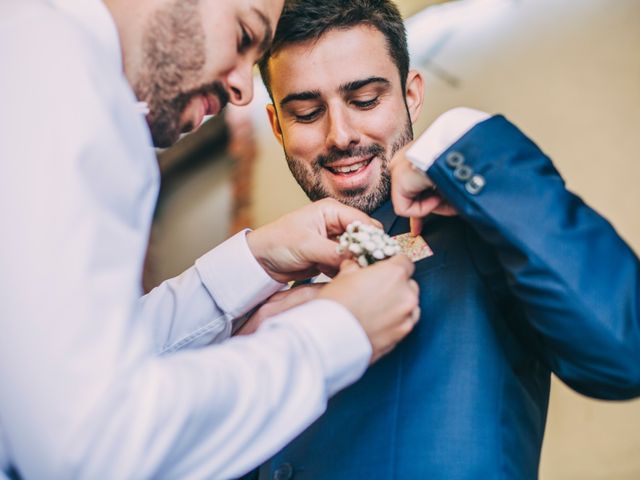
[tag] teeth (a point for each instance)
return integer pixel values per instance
(350, 168)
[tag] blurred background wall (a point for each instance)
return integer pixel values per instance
(567, 72)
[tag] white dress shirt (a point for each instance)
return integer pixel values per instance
(97, 382)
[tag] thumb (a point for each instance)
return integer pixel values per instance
(323, 252)
(338, 216)
(349, 266)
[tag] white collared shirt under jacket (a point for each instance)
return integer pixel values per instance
(96, 381)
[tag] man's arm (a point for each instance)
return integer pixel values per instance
(198, 307)
(578, 282)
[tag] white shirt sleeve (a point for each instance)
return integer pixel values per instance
(448, 128)
(84, 393)
(197, 307)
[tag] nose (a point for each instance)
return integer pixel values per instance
(342, 133)
(240, 82)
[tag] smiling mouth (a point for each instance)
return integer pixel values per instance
(213, 105)
(349, 169)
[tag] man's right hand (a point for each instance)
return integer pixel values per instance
(413, 194)
(302, 243)
(382, 297)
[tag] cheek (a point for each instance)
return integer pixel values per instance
(221, 53)
(384, 124)
(304, 141)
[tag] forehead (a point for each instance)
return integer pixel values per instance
(227, 9)
(271, 9)
(337, 57)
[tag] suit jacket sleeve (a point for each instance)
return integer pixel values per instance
(577, 280)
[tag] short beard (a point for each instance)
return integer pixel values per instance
(309, 177)
(174, 55)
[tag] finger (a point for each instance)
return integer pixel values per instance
(415, 224)
(348, 266)
(378, 355)
(251, 326)
(301, 275)
(409, 180)
(321, 252)
(284, 294)
(413, 285)
(279, 296)
(445, 209)
(411, 191)
(415, 315)
(309, 286)
(297, 297)
(414, 206)
(400, 260)
(338, 216)
(404, 328)
(377, 223)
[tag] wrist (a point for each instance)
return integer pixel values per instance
(446, 130)
(260, 245)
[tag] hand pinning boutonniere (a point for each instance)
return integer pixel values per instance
(367, 243)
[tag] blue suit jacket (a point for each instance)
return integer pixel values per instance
(527, 281)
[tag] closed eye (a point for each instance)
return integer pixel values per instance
(245, 40)
(366, 104)
(310, 117)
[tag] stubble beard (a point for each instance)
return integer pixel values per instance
(310, 177)
(174, 55)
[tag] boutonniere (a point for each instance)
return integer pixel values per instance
(368, 244)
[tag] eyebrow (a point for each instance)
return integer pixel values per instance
(348, 87)
(300, 96)
(358, 84)
(268, 31)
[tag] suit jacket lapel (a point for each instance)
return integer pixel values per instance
(386, 215)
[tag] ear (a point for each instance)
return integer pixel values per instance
(415, 94)
(275, 123)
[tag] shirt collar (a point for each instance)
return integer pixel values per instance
(94, 17)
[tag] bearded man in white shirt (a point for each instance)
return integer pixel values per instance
(99, 382)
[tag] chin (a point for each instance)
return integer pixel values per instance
(165, 141)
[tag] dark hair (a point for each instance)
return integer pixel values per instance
(304, 20)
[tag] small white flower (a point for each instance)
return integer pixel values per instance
(353, 226)
(367, 243)
(390, 251)
(355, 249)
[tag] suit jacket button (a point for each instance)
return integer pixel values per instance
(476, 184)
(283, 472)
(454, 159)
(463, 173)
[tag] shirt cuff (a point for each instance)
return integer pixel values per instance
(233, 276)
(444, 132)
(342, 343)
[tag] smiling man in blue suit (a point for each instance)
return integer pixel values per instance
(543, 284)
